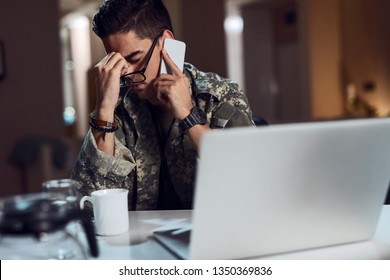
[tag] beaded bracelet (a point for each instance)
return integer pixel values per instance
(103, 123)
(101, 128)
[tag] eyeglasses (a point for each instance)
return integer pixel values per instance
(127, 80)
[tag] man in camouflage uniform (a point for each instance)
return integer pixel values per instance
(138, 139)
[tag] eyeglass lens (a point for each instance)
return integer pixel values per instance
(139, 76)
(131, 78)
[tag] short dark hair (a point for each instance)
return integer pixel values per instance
(146, 18)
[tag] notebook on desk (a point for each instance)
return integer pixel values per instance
(282, 188)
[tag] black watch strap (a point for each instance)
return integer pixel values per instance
(196, 116)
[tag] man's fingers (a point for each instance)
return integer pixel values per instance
(112, 61)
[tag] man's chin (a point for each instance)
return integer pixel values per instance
(138, 87)
(141, 94)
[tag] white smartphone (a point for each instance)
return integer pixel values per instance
(176, 50)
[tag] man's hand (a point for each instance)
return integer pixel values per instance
(107, 74)
(173, 91)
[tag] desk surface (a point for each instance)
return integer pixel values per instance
(138, 244)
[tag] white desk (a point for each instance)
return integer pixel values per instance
(138, 244)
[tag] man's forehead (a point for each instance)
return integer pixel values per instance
(125, 43)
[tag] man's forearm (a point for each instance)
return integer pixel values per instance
(195, 134)
(105, 141)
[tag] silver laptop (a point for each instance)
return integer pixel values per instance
(283, 188)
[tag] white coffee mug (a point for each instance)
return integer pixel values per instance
(110, 211)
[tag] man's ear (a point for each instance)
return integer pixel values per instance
(168, 34)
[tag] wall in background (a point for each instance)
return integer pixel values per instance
(366, 44)
(323, 31)
(31, 93)
(203, 32)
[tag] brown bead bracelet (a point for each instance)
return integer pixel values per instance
(102, 123)
(103, 129)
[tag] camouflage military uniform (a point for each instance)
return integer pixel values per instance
(136, 162)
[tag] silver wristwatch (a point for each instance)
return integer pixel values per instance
(196, 116)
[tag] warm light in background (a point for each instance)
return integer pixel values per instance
(234, 24)
(76, 57)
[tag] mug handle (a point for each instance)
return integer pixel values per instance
(84, 199)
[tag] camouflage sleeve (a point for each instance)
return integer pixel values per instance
(233, 109)
(216, 92)
(95, 169)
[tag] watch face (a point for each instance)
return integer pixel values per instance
(200, 115)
